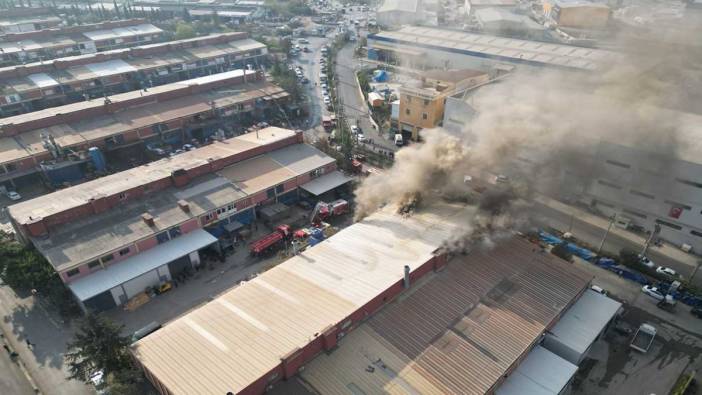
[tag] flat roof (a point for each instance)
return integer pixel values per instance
(66, 199)
(5, 22)
(133, 267)
(326, 183)
(240, 336)
(498, 48)
(91, 71)
(585, 320)
(541, 373)
(399, 5)
(458, 331)
(87, 130)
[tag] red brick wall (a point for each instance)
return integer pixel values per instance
(190, 225)
(146, 244)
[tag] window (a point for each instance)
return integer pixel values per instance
(209, 216)
(174, 232)
(618, 164)
(688, 182)
(107, 258)
(72, 272)
(676, 204)
(162, 237)
(124, 251)
(221, 210)
(10, 167)
(409, 99)
(316, 173)
(159, 127)
(407, 111)
(93, 264)
(231, 207)
(634, 213)
(424, 116)
(668, 224)
(642, 194)
(426, 102)
(279, 189)
(696, 233)
(608, 184)
(122, 196)
(270, 193)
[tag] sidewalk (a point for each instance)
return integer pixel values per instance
(572, 217)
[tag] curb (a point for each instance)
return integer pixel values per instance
(18, 360)
(363, 100)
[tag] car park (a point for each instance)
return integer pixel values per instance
(653, 292)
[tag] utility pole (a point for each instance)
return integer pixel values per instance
(604, 238)
(656, 232)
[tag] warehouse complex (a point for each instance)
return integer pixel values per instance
(425, 47)
(468, 324)
(109, 238)
(40, 85)
(176, 113)
(45, 44)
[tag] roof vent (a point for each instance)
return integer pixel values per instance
(148, 219)
(184, 205)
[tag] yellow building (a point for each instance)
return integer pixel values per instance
(579, 14)
(422, 106)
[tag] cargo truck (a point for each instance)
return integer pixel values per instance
(643, 338)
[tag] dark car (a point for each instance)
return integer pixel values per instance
(697, 312)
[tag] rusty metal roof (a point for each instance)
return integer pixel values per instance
(458, 332)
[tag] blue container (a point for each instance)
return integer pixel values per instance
(98, 158)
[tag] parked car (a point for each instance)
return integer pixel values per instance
(697, 312)
(304, 80)
(303, 41)
(666, 270)
(643, 259)
(354, 129)
(598, 289)
(13, 195)
(327, 100)
(98, 380)
(653, 292)
(361, 138)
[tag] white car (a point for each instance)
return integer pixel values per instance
(98, 380)
(327, 100)
(354, 129)
(666, 270)
(598, 289)
(653, 292)
(361, 138)
(646, 262)
(324, 86)
(13, 195)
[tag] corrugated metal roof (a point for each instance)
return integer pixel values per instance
(499, 47)
(541, 373)
(236, 339)
(583, 322)
(457, 332)
(326, 183)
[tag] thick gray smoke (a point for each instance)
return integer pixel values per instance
(556, 119)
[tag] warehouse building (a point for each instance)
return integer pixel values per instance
(120, 124)
(46, 44)
(578, 14)
(40, 85)
(112, 237)
(459, 326)
(27, 19)
(425, 47)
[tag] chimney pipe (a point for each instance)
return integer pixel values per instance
(407, 276)
(184, 205)
(148, 219)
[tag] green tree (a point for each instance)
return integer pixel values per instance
(98, 345)
(184, 30)
(186, 15)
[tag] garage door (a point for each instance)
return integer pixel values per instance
(101, 302)
(177, 266)
(139, 284)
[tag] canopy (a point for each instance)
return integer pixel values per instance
(325, 183)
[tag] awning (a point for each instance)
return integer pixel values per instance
(326, 183)
(133, 267)
(233, 226)
(541, 373)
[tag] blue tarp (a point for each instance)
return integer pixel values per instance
(549, 238)
(380, 76)
(581, 252)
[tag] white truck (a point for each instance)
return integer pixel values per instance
(643, 338)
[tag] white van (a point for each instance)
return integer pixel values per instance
(398, 140)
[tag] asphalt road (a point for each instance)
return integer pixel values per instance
(593, 235)
(12, 380)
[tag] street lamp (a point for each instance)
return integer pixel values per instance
(604, 238)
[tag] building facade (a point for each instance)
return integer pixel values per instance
(41, 85)
(112, 237)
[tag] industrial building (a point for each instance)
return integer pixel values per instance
(111, 238)
(377, 308)
(27, 19)
(425, 47)
(503, 22)
(40, 85)
(46, 44)
(577, 14)
(399, 12)
(122, 125)
(422, 106)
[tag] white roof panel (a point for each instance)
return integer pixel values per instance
(541, 373)
(106, 279)
(42, 80)
(111, 67)
(585, 320)
(325, 183)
